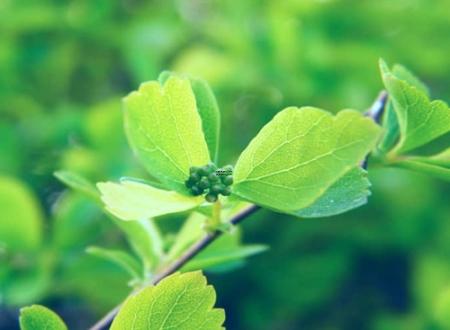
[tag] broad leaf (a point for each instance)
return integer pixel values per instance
(121, 258)
(131, 200)
(39, 317)
(165, 130)
(349, 192)
(180, 301)
(420, 119)
(207, 108)
(21, 219)
(78, 183)
(302, 152)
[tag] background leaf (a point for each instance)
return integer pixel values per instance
(120, 258)
(165, 130)
(297, 156)
(180, 301)
(39, 317)
(22, 219)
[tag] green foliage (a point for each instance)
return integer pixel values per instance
(165, 130)
(22, 219)
(119, 257)
(77, 182)
(180, 301)
(208, 110)
(349, 192)
(131, 200)
(39, 317)
(420, 119)
(301, 153)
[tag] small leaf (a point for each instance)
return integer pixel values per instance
(180, 301)
(207, 108)
(349, 192)
(78, 183)
(420, 119)
(120, 258)
(22, 219)
(39, 317)
(165, 130)
(131, 200)
(190, 232)
(302, 152)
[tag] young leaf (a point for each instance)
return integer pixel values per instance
(297, 156)
(349, 192)
(180, 301)
(21, 217)
(390, 121)
(78, 183)
(131, 200)
(39, 317)
(207, 108)
(121, 258)
(165, 130)
(420, 119)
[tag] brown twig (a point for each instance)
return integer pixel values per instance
(181, 261)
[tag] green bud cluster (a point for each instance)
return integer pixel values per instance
(210, 180)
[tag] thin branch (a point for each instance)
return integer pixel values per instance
(180, 262)
(376, 112)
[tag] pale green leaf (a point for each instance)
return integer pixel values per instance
(131, 200)
(180, 301)
(165, 130)
(21, 217)
(349, 192)
(121, 258)
(78, 183)
(207, 108)
(38, 317)
(420, 119)
(302, 152)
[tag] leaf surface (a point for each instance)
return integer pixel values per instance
(164, 129)
(420, 120)
(349, 192)
(39, 317)
(131, 200)
(297, 156)
(180, 301)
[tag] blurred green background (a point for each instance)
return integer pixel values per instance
(64, 65)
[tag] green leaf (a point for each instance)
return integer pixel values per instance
(22, 219)
(145, 239)
(420, 119)
(441, 159)
(121, 258)
(39, 317)
(302, 152)
(131, 200)
(165, 130)
(78, 183)
(180, 301)
(390, 121)
(436, 171)
(349, 192)
(207, 108)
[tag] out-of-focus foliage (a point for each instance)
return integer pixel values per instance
(64, 67)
